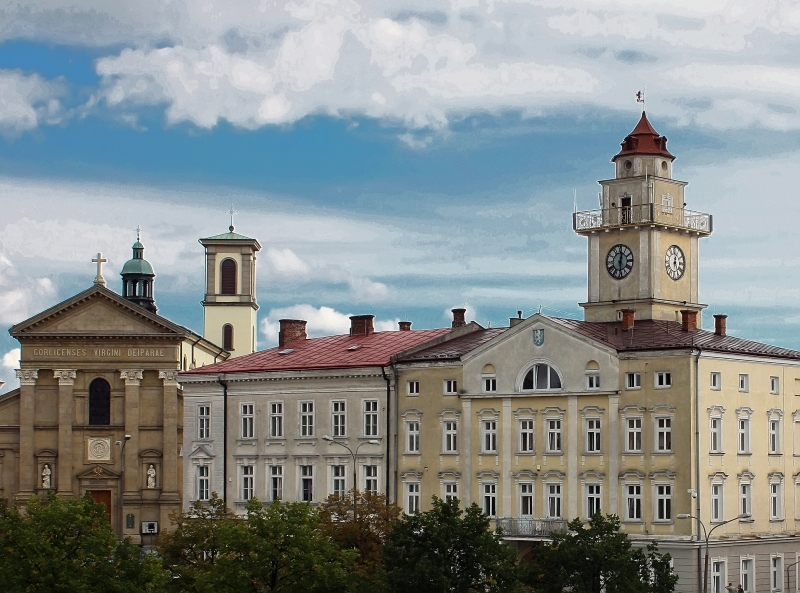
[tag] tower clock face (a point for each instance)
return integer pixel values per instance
(619, 261)
(675, 262)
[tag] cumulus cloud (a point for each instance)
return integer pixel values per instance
(21, 295)
(322, 321)
(285, 261)
(26, 101)
(8, 363)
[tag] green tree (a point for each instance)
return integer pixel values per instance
(595, 557)
(274, 548)
(449, 550)
(366, 533)
(67, 545)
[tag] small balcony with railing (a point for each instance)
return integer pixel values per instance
(529, 528)
(590, 221)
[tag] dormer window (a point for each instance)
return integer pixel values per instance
(542, 377)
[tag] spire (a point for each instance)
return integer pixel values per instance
(644, 140)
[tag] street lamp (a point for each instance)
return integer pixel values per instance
(121, 445)
(353, 455)
(708, 535)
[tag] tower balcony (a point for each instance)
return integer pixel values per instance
(590, 221)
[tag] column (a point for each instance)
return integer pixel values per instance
(66, 409)
(508, 430)
(27, 464)
(573, 454)
(169, 469)
(613, 454)
(133, 379)
(466, 454)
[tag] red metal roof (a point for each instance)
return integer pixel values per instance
(644, 140)
(330, 352)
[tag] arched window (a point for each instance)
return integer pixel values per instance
(99, 403)
(541, 377)
(228, 283)
(227, 337)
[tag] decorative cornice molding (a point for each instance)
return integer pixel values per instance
(27, 376)
(170, 378)
(132, 376)
(65, 376)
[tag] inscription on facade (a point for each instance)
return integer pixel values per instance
(101, 352)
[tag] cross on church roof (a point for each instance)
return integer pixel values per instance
(99, 260)
(231, 212)
(138, 232)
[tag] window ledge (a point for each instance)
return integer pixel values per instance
(716, 453)
(593, 453)
(553, 453)
(414, 453)
(777, 520)
(670, 452)
(363, 438)
(633, 389)
(775, 454)
(449, 453)
(488, 454)
(529, 453)
(249, 441)
(275, 440)
(744, 454)
(637, 452)
(633, 521)
(663, 522)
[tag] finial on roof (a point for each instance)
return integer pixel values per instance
(138, 233)
(231, 212)
(99, 260)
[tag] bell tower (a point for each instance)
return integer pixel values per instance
(229, 306)
(643, 240)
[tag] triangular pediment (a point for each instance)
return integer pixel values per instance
(98, 472)
(202, 452)
(97, 311)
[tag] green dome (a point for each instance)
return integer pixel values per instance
(137, 266)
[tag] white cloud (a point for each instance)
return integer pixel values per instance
(21, 295)
(322, 321)
(285, 261)
(8, 364)
(27, 101)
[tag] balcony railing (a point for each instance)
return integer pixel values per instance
(531, 527)
(681, 218)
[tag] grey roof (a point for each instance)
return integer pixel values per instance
(137, 266)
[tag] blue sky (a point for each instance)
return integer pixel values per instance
(394, 158)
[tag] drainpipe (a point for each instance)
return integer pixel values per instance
(697, 457)
(224, 440)
(388, 428)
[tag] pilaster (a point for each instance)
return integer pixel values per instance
(614, 436)
(466, 418)
(27, 464)
(133, 379)
(170, 436)
(508, 430)
(66, 407)
(573, 428)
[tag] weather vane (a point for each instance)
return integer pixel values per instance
(231, 212)
(640, 97)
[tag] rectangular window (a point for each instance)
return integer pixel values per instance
(747, 575)
(306, 419)
(718, 577)
(490, 499)
(554, 436)
(338, 419)
(248, 420)
(489, 436)
(663, 379)
(666, 204)
(247, 482)
(526, 436)
(203, 422)
(776, 573)
(663, 434)
(276, 482)
(744, 435)
(450, 491)
(526, 500)
(775, 507)
(633, 502)
(633, 442)
(338, 479)
(276, 420)
(371, 478)
(716, 502)
(412, 497)
(593, 381)
(774, 436)
(593, 436)
(306, 483)
(744, 382)
(592, 500)
(490, 385)
(371, 418)
(412, 437)
(715, 435)
(202, 482)
(553, 501)
(663, 502)
(745, 507)
(774, 385)
(413, 388)
(451, 437)
(451, 387)
(633, 380)
(716, 381)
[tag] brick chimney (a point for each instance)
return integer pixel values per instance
(512, 321)
(720, 325)
(458, 318)
(405, 326)
(361, 325)
(628, 316)
(688, 320)
(291, 331)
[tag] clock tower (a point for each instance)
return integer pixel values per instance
(643, 241)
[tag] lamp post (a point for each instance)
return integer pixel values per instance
(787, 573)
(708, 536)
(353, 455)
(121, 445)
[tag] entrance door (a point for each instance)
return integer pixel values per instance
(104, 498)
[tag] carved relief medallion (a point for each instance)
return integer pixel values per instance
(99, 449)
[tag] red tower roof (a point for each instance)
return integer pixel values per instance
(644, 140)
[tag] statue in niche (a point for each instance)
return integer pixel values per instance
(46, 473)
(151, 476)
